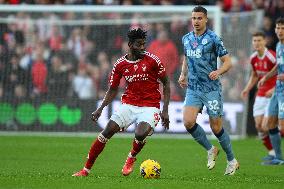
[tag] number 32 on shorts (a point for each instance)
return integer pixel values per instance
(213, 105)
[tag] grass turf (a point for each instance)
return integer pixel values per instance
(49, 162)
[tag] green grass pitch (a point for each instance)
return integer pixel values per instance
(48, 162)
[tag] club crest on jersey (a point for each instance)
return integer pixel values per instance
(265, 64)
(135, 67)
(126, 71)
(204, 41)
(144, 67)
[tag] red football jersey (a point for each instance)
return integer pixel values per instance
(142, 80)
(262, 65)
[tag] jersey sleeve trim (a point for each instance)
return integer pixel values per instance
(157, 60)
(271, 57)
(114, 70)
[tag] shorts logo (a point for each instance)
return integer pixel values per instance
(156, 119)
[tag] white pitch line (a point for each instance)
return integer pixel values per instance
(95, 134)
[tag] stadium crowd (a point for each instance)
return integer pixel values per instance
(45, 60)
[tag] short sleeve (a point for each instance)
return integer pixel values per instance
(183, 44)
(251, 64)
(115, 76)
(161, 70)
(220, 49)
(160, 67)
(272, 56)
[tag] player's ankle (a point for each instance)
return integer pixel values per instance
(86, 169)
(211, 149)
(271, 152)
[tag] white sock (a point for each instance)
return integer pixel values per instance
(88, 170)
(209, 151)
(233, 161)
(271, 152)
(130, 155)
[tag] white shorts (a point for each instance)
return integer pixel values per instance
(260, 106)
(127, 114)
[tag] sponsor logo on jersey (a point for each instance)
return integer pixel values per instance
(194, 53)
(136, 77)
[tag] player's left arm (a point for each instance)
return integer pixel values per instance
(166, 91)
(223, 54)
(226, 66)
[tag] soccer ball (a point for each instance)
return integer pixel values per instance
(150, 169)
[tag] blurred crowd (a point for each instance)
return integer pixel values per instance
(227, 5)
(39, 59)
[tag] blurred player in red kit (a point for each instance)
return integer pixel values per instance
(262, 61)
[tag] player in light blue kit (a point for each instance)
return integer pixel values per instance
(276, 104)
(200, 75)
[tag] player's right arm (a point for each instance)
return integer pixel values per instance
(108, 98)
(184, 74)
(112, 91)
(270, 74)
(252, 81)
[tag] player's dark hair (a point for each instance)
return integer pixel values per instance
(280, 20)
(258, 34)
(200, 9)
(136, 33)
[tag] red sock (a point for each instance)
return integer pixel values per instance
(96, 149)
(266, 142)
(136, 147)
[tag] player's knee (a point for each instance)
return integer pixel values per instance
(258, 127)
(140, 135)
(142, 131)
(108, 133)
(111, 128)
(216, 128)
(189, 123)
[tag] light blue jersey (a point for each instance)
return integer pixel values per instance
(276, 104)
(280, 63)
(202, 53)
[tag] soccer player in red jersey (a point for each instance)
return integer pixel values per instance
(140, 101)
(262, 61)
